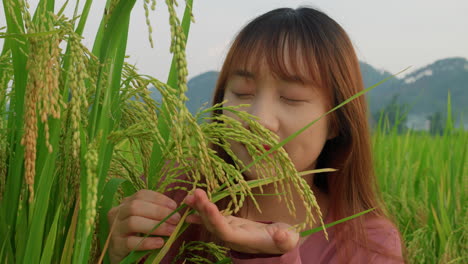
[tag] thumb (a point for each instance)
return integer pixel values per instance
(285, 240)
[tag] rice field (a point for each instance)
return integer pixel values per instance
(78, 129)
(424, 183)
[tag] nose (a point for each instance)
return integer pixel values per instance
(266, 114)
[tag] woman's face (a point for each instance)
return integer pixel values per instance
(283, 107)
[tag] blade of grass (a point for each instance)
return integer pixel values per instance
(6, 252)
(315, 230)
(50, 242)
(134, 255)
(106, 203)
(40, 207)
(43, 9)
(84, 17)
(70, 240)
(18, 48)
(21, 237)
(449, 122)
(224, 261)
(62, 8)
(163, 251)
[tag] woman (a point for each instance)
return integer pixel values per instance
(291, 66)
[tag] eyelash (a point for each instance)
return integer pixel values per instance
(291, 100)
(244, 96)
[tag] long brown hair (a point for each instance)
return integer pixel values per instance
(283, 36)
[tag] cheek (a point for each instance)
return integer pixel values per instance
(307, 146)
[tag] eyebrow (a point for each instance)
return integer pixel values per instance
(294, 79)
(244, 73)
(251, 75)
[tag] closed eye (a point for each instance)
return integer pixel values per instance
(291, 100)
(243, 95)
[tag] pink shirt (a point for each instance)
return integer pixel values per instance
(315, 249)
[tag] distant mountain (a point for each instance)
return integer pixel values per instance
(382, 94)
(424, 90)
(200, 90)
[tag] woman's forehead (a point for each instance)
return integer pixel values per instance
(289, 68)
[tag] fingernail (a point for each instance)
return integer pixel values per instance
(158, 243)
(171, 228)
(172, 206)
(175, 217)
(188, 199)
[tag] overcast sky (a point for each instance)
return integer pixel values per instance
(389, 35)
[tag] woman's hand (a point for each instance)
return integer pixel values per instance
(138, 214)
(241, 234)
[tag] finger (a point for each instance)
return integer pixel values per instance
(285, 240)
(194, 219)
(200, 199)
(148, 210)
(189, 199)
(154, 197)
(112, 214)
(211, 216)
(138, 224)
(133, 243)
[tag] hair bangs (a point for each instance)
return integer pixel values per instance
(282, 49)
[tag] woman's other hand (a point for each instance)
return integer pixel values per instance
(241, 234)
(138, 214)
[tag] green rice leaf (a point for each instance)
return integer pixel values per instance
(106, 203)
(317, 229)
(40, 209)
(44, 7)
(10, 199)
(50, 242)
(6, 252)
(134, 257)
(84, 17)
(168, 243)
(449, 122)
(224, 261)
(67, 253)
